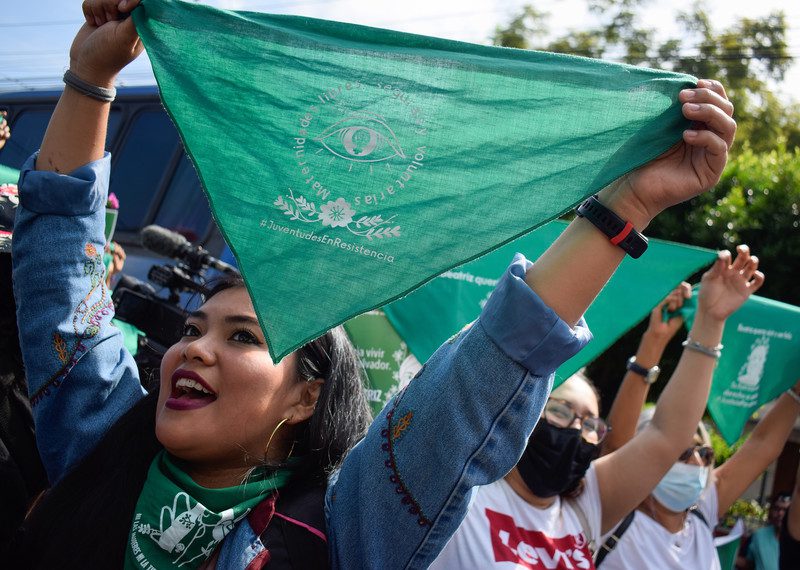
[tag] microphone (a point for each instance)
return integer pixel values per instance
(171, 244)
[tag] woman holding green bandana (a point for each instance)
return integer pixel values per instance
(237, 461)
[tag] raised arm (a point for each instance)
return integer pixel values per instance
(80, 377)
(762, 448)
(632, 393)
(76, 134)
(465, 420)
(629, 474)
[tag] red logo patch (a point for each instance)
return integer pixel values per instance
(534, 549)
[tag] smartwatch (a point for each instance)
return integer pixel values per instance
(618, 231)
(649, 375)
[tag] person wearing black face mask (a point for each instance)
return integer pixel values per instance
(551, 510)
(558, 455)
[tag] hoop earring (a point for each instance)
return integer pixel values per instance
(272, 435)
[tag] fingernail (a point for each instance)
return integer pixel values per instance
(690, 134)
(688, 93)
(693, 106)
(122, 5)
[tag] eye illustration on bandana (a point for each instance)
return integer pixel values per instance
(361, 137)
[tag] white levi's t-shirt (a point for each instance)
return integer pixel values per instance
(503, 531)
(647, 544)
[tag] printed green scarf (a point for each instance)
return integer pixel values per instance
(178, 523)
(348, 165)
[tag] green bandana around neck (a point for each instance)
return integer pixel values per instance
(178, 524)
(348, 165)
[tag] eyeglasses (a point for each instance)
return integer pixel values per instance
(704, 452)
(560, 413)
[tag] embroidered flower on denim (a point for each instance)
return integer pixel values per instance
(86, 320)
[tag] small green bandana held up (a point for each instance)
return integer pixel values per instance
(348, 165)
(178, 524)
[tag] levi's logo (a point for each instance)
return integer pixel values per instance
(534, 549)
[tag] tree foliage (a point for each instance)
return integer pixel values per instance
(757, 201)
(747, 57)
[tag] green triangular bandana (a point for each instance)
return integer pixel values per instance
(433, 313)
(347, 165)
(178, 523)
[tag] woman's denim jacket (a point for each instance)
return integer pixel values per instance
(400, 493)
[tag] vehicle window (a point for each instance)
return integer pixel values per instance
(184, 208)
(27, 132)
(138, 169)
(114, 117)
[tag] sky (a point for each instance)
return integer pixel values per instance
(36, 34)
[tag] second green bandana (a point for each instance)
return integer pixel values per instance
(347, 165)
(179, 524)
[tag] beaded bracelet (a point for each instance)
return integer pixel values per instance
(713, 352)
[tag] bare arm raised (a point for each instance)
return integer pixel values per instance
(629, 474)
(104, 45)
(761, 448)
(633, 391)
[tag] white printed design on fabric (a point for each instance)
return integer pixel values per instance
(534, 549)
(751, 372)
(182, 525)
(340, 135)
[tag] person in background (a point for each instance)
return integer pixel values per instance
(5, 130)
(643, 370)
(763, 548)
(673, 527)
(22, 475)
(553, 507)
(790, 531)
(189, 475)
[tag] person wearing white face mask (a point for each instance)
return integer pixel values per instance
(673, 528)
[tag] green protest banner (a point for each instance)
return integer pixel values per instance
(433, 313)
(760, 359)
(385, 356)
(348, 165)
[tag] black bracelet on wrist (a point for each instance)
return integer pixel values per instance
(103, 94)
(620, 232)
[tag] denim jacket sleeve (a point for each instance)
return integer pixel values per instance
(80, 377)
(464, 421)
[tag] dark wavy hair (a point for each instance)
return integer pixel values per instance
(85, 519)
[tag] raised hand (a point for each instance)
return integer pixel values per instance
(687, 169)
(5, 131)
(106, 43)
(664, 331)
(726, 286)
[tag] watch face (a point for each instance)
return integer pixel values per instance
(652, 374)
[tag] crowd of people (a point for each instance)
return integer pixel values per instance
(236, 461)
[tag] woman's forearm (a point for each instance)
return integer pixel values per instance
(76, 134)
(632, 395)
(687, 392)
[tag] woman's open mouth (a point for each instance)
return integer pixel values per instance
(189, 391)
